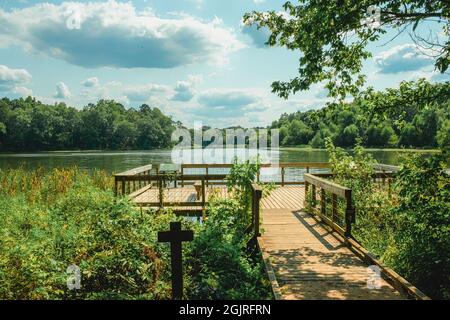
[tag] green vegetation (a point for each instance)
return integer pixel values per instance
(332, 37)
(408, 228)
(51, 220)
(417, 114)
(28, 125)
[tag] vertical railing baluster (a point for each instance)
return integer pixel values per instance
(323, 201)
(258, 196)
(313, 196)
(305, 202)
(349, 214)
(334, 210)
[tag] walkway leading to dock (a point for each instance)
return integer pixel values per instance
(307, 260)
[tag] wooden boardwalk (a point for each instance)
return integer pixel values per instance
(304, 259)
(307, 260)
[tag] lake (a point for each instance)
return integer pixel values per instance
(123, 160)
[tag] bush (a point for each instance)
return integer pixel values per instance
(410, 230)
(421, 239)
(53, 220)
(221, 268)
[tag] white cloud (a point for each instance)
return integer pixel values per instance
(185, 90)
(402, 58)
(91, 82)
(62, 91)
(115, 34)
(143, 93)
(13, 81)
(230, 98)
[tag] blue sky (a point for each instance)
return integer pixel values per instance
(191, 58)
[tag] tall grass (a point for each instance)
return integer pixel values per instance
(51, 220)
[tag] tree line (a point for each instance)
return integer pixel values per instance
(29, 125)
(416, 114)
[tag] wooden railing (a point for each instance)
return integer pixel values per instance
(330, 196)
(341, 200)
(161, 181)
(284, 167)
(128, 186)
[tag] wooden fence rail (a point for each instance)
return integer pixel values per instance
(161, 181)
(342, 226)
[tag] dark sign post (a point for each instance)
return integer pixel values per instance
(176, 236)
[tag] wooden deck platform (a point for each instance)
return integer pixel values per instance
(304, 259)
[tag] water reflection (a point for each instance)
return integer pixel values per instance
(121, 161)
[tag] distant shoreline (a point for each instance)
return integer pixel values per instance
(150, 150)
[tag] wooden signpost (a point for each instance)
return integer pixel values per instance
(176, 236)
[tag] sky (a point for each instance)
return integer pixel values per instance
(193, 59)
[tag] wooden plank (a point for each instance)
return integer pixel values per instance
(309, 262)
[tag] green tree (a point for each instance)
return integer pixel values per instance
(332, 37)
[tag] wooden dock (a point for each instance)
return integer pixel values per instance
(309, 253)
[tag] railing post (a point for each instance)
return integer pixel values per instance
(123, 186)
(322, 201)
(258, 196)
(313, 196)
(203, 194)
(282, 176)
(334, 210)
(305, 202)
(160, 192)
(349, 214)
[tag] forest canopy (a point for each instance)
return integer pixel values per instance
(28, 125)
(417, 114)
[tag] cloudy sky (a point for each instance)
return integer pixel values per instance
(191, 58)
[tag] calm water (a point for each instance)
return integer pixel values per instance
(121, 161)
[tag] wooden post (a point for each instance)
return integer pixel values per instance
(305, 201)
(123, 187)
(116, 186)
(175, 237)
(182, 173)
(160, 193)
(322, 201)
(282, 176)
(334, 210)
(313, 196)
(257, 197)
(349, 214)
(203, 196)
